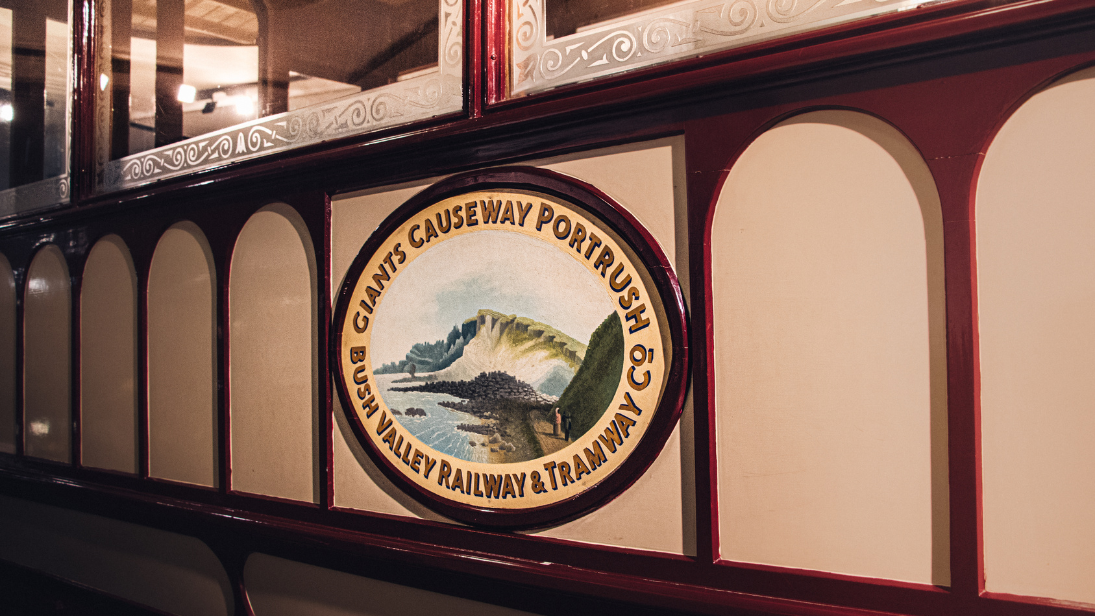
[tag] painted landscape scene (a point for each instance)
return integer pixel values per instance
(495, 347)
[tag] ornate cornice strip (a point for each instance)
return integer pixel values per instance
(680, 30)
(419, 98)
(35, 196)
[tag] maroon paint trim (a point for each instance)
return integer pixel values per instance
(475, 64)
(497, 58)
(601, 206)
(82, 156)
(546, 566)
(142, 264)
(76, 265)
(967, 106)
(222, 320)
(325, 405)
(19, 272)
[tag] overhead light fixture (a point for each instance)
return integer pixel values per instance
(245, 106)
(7, 113)
(187, 93)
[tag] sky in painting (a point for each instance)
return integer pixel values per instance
(500, 270)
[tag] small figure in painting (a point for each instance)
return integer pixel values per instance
(558, 421)
(566, 426)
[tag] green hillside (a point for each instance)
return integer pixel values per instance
(591, 390)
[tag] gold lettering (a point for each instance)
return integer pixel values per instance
(382, 425)
(448, 221)
(594, 242)
(595, 456)
(490, 210)
(603, 261)
(550, 468)
(389, 438)
(523, 211)
(546, 214)
(443, 474)
(430, 231)
(636, 314)
(383, 276)
(629, 404)
(580, 468)
(507, 214)
(561, 233)
(618, 286)
(624, 423)
(564, 473)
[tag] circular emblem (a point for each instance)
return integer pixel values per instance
(510, 348)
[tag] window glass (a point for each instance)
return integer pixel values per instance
(554, 43)
(35, 95)
(183, 70)
(569, 16)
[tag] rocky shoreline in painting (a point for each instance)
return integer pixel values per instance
(509, 372)
(501, 402)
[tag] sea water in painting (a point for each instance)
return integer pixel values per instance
(497, 347)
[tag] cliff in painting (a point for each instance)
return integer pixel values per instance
(507, 375)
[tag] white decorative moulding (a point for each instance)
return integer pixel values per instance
(35, 196)
(681, 30)
(435, 93)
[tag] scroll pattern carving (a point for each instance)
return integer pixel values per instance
(419, 98)
(36, 196)
(676, 31)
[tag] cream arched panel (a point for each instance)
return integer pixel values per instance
(182, 431)
(273, 345)
(830, 353)
(47, 367)
(1036, 304)
(7, 357)
(108, 364)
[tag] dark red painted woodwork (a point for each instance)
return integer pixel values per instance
(946, 76)
(32, 593)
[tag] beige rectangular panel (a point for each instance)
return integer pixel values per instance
(1036, 299)
(358, 484)
(108, 345)
(182, 404)
(273, 345)
(646, 178)
(279, 587)
(47, 343)
(830, 356)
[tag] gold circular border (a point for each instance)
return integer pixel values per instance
(554, 477)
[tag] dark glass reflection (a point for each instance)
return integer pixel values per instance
(565, 17)
(35, 66)
(183, 68)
